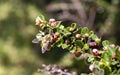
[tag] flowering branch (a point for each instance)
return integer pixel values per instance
(103, 56)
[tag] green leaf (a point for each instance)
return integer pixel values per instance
(73, 49)
(85, 47)
(91, 32)
(79, 43)
(98, 71)
(84, 30)
(95, 37)
(64, 46)
(59, 41)
(114, 62)
(65, 32)
(105, 57)
(107, 70)
(59, 45)
(72, 39)
(91, 58)
(105, 43)
(98, 40)
(42, 17)
(58, 23)
(73, 25)
(110, 50)
(39, 36)
(78, 30)
(118, 54)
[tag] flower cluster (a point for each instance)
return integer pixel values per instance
(56, 70)
(101, 54)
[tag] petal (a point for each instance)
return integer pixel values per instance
(51, 20)
(38, 19)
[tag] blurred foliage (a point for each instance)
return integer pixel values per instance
(18, 56)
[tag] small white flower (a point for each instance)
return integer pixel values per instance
(61, 27)
(38, 21)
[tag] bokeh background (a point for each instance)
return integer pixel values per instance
(18, 56)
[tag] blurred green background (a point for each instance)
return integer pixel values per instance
(18, 56)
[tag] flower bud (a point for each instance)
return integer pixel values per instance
(52, 22)
(114, 55)
(86, 35)
(95, 52)
(76, 53)
(57, 33)
(61, 27)
(98, 40)
(93, 44)
(112, 45)
(71, 29)
(77, 36)
(67, 41)
(54, 38)
(105, 48)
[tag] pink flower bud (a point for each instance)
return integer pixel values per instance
(95, 52)
(54, 38)
(52, 22)
(77, 36)
(114, 55)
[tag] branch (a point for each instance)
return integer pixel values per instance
(102, 55)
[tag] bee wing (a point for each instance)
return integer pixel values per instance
(43, 50)
(35, 40)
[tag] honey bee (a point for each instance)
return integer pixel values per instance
(46, 43)
(45, 47)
